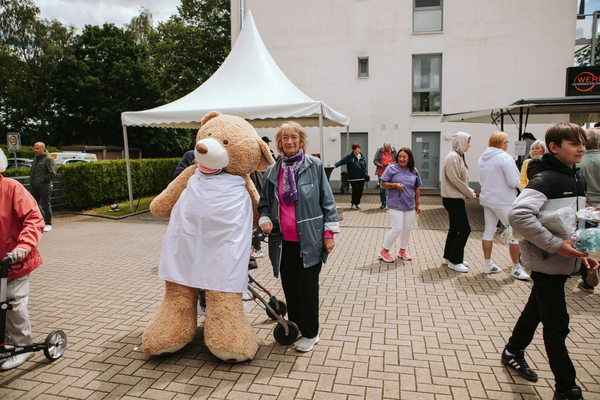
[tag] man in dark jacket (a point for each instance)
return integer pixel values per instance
(43, 171)
(357, 172)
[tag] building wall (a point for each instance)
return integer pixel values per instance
(492, 55)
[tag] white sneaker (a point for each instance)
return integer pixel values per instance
(306, 344)
(353, 207)
(15, 361)
(458, 267)
(492, 269)
(445, 262)
(519, 273)
(47, 228)
(358, 206)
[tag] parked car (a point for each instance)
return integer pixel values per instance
(71, 157)
(21, 163)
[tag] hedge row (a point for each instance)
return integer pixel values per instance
(26, 151)
(89, 185)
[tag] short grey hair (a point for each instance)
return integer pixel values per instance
(593, 139)
(3, 161)
(538, 142)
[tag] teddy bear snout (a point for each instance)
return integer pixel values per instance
(201, 148)
(211, 154)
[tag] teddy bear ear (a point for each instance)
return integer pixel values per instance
(209, 116)
(265, 158)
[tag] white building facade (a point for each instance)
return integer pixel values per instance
(394, 67)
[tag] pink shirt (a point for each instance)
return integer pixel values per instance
(287, 217)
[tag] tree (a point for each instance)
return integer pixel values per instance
(140, 27)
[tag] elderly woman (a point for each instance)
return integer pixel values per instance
(537, 149)
(403, 181)
(21, 226)
(499, 178)
(296, 201)
(357, 170)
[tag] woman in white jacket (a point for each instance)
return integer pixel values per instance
(499, 178)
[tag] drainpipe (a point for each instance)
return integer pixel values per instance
(242, 12)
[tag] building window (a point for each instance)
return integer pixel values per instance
(363, 67)
(427, 16)
(427, 84)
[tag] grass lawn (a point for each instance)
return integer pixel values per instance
(125, 209)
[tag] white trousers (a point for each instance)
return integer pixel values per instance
(401, 224)
(492, 215)
(18, 327)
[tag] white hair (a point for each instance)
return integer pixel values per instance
(3, 161)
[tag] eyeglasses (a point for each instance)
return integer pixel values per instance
(507, 142)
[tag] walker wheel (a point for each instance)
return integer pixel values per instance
(279, 333)
(55, 345)
(282, 309)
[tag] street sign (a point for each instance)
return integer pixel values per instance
(14, 141)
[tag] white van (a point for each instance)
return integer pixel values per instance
(67, 158)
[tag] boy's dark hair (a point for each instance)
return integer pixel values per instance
(565, 131)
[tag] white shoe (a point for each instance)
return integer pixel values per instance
(353, 207)
(47, 228)
(519, 273)
(358, 206)
(445, 262)
(306, 344)
(492, 269)
(458, 267)
(15, 361)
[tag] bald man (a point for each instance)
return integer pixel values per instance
(384, 156)
(43, 171)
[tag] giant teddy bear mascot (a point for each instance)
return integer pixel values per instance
(212, 208)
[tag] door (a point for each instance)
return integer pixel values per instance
(362, 138)
(426, 150)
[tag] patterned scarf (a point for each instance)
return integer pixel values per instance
(290, 174)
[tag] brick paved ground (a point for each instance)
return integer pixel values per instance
(408, 330)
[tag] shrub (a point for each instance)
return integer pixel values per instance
(26, 151)
(92, 184)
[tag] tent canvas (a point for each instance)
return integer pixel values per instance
(248, 84)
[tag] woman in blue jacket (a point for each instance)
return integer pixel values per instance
(357, 170)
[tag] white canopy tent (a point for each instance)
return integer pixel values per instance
(248, 84)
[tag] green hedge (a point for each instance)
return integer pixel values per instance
(89, 185)
(26, 151)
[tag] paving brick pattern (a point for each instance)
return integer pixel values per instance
(407, 330)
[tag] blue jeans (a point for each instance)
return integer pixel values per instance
(382, 193)
(547, 305)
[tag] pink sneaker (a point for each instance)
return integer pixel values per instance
(386, 257)
(403, 254)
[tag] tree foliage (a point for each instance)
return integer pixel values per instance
(70, 89)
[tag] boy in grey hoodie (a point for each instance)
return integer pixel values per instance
(553, 183)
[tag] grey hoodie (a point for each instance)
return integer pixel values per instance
(455, 179)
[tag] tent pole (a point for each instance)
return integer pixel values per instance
(347, 140)
(321, 133)
(129, 186)
(520, 123)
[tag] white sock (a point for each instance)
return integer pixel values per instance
(488, 263)
(445, 260)
(517, 265)
(508, 353)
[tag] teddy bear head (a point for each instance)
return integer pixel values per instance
(230, 143)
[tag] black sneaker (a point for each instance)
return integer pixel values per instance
(520, 365)
(572, 393)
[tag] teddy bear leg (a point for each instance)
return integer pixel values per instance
(227, 332)
(175, 322)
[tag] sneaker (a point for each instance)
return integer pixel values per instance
(386, 257)
(257, 254)
(47, 228)
(353, 206)
(519, 273)
(583, 285)
(403, 254)
(491, 269)
(593, 279)
(520, 365)
(458, 267)
(382, 207)
(445, 262)
(15, 361)
(572, 393)
(306, 344)
(358, 206)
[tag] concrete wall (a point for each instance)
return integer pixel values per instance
(492, 55)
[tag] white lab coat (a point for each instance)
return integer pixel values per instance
(209, 238)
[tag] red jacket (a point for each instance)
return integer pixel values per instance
(21, 225)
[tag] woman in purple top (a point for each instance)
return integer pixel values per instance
(403, 182)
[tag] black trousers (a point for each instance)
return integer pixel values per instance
(42, 197)
(547, 305)
(459, 230)
(301, 288)
(357, 191)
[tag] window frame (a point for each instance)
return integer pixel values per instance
(361, 60)
(434, 8)
(420, 90)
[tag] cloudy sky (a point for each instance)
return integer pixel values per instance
(97, 12)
